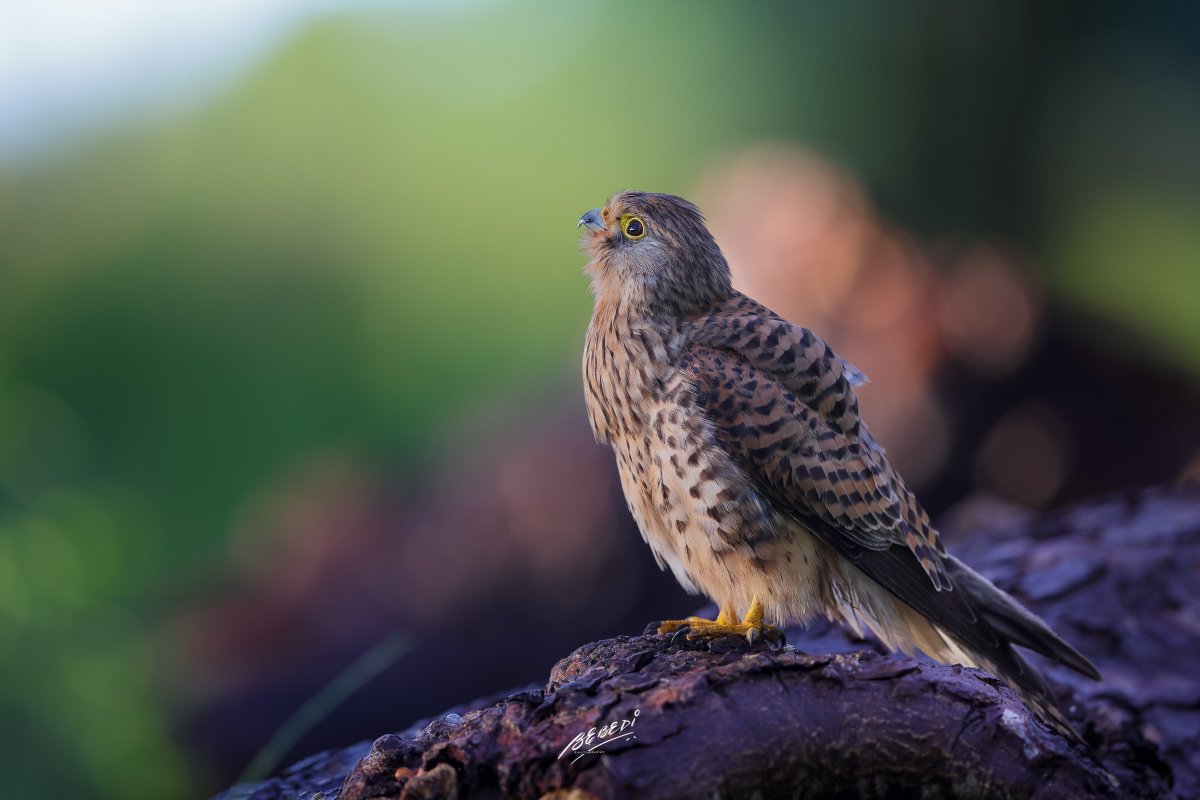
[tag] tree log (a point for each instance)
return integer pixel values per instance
(835, 716)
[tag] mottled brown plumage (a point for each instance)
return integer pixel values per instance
(748, 469)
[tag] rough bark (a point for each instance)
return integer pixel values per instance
(835, 717)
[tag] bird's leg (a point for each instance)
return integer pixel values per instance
(726, 624)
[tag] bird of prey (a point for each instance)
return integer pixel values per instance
(749, 472)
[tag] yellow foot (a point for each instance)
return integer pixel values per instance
(751, 628)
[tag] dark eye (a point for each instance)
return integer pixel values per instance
(634, 228)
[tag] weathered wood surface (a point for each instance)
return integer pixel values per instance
(1120, 578)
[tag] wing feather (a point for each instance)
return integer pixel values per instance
(843, 491)
(841, 473)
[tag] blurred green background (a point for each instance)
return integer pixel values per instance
(364, 232)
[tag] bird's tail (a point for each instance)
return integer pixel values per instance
(1016, 625)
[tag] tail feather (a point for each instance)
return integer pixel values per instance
(1033, 691)
(1016, 623)
(973, 622)
(901, 626)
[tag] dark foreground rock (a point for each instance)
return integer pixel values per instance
(1119, 578)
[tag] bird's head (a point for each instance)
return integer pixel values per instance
(654, 251)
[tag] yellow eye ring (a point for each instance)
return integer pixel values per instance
(633, 227)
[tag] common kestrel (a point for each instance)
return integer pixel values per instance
(750, 474)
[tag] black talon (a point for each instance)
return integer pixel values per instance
(681, 632)
(651, 629)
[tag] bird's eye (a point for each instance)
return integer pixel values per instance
(635, 228)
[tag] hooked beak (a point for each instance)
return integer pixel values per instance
(594, 221)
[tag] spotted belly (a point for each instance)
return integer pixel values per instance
(705, 522)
